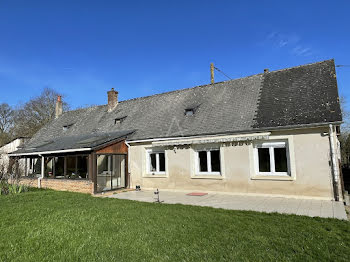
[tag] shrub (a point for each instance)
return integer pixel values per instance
(13, 187)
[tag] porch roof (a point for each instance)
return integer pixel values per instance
(77, 143)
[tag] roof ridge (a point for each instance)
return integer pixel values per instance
(206, 85)
(293, 67)
(189, 88)
(199, 86)
(83, 108)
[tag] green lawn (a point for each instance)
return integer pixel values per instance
(44, 225)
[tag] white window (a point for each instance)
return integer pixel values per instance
(155, 162)
(272, 158)
(208, 162)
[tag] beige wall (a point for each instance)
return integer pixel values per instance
(309, 163)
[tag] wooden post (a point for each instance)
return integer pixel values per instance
(76, 165)
(54, 167)
(65, 166)
(94, 170)
(211, 73)
(90, 177)
(25, 167)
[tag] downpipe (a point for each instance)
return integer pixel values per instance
(335, 171)
(129, 176)
(42, 171)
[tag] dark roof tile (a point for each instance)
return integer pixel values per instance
(290, 97)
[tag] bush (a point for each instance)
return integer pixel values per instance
(3, 188)
(17, 189)
(11, 189)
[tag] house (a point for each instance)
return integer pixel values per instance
(24, 166)
(273, 133)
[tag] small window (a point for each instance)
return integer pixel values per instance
(66, 127)
(209, 162)
(272, 158)
(189, 112)
(156, 163)
(119, 120)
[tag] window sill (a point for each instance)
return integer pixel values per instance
(155, 176)
(217, 177)
(272, 177)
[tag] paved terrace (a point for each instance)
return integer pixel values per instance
(305, 207)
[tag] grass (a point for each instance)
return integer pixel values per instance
(46, 225)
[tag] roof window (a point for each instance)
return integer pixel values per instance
(119, 120)
(189, 112)
(66, 127)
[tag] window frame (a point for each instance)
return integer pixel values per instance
(148, 162)
(209, 167)
(271, 145)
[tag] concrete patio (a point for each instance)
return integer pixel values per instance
(305, 207)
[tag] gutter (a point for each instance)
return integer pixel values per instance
(335, 170)
(52, 152)
(215, 139)
(241, 132)
(194, 137)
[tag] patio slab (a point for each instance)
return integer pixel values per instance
(305, 207)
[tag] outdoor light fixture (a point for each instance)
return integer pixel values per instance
(156, 198)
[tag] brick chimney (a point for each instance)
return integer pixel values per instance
(112, 99)
(59, 107)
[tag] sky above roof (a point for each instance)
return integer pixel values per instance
(84, 48)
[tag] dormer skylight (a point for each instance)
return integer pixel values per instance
(189, 112)
(66, 127)
(119, 120)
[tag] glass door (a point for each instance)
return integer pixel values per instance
(110, 172)
(118, 173)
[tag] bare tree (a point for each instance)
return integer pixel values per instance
(6, 117)
(346, 116)
(344, 138)
(36, 113)
(6, 123)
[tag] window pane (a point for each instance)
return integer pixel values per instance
(59, 167)
(102, 164)
(203, 163)
(153, 166)
(215, 160)
(82, 166)
(264, 160)
(161, 162)
(281, 160)
(103, 173)
(71, 167)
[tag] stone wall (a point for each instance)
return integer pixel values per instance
(82, 186)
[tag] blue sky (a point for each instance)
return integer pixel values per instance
(84, 48)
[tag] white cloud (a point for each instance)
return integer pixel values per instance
(290, 41)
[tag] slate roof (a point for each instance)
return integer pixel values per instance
(92, 140)
(295, 96)
(299, 96)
